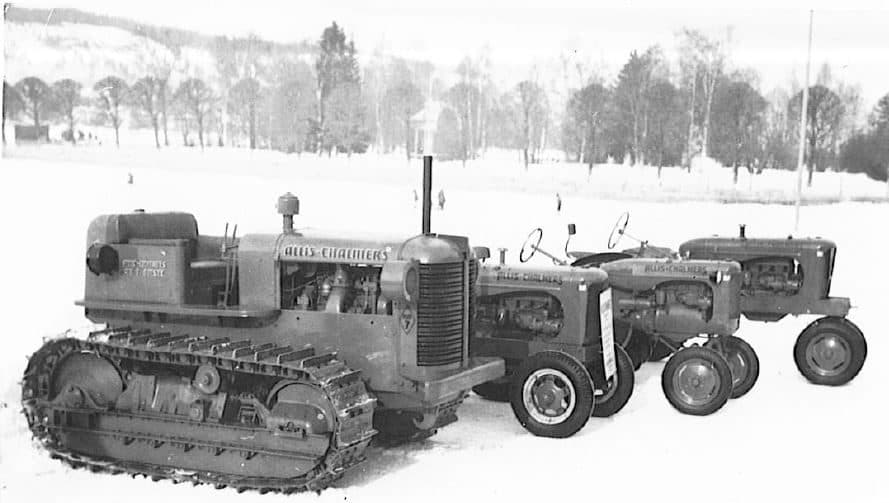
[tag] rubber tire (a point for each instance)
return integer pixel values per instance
(583, 388)
(732, 344)
(638, 347)
(493, 391)
(845, 329)
(722, 370)
(626, 381)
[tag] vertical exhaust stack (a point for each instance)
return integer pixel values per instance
(427, 194)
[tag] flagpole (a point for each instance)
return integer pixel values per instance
(802, 130)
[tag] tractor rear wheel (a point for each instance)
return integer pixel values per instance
(619, 389)
(742, 361)
(830, 351)
(697, 381)
(552, 395)
(636, 343)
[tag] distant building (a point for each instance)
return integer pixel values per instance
(31, 134)
(424, 125)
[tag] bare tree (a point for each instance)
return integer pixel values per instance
(533, 108)
(66, 95)
(12, 105)
(111, 92)
(36, 95)
(345, 117)
(401, 102)
(824, 114)
(197, 100)
(244, 101)
(145, 95)
(702, 61)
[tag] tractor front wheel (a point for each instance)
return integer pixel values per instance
(830, 351)
(697, 381)
(619, 389)
(552, 395)
(742, 361)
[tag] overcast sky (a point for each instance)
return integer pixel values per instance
(769, 36)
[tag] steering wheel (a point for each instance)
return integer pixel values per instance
(531, 239)
(617, 231)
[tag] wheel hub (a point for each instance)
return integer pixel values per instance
(697, 381)
(549, 396)
(828, 354)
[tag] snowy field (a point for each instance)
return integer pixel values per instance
(785, 440)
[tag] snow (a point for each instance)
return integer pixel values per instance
(786, 439)
(88, 53)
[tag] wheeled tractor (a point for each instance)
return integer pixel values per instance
(780, 276)
(792, 276)
(553, 327)
(691, 308)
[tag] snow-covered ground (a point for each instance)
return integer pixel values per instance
(786, 440)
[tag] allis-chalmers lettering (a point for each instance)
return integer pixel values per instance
(336, 253)
(528, 276)
(674, 268)
(143, 268)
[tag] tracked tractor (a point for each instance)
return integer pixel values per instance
(266, 362)
(553, 326)
(691, 308)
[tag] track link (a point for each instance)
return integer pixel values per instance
(342, 386)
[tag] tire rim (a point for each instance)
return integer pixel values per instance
(828, 354)
(549, 396)
(696, 382)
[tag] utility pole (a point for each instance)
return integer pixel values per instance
(802, 130)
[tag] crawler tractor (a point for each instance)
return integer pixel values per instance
(264, 362)
(662, 302)
(553, 326)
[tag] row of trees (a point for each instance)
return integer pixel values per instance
(285, 104)
(147, 99)
(650, 114)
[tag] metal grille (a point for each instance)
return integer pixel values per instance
(440, 314)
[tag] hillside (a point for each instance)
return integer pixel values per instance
(68, 43)
(87, 53)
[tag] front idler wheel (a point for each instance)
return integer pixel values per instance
(86, 380)
(619, 389)
(830, 351)
(552, 395)
(697, 381)
(742, 361)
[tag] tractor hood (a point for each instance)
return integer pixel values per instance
(671, 269)
(740, 248)
(537, 277)
(313, 246)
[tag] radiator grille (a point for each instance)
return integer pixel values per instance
(440, 314)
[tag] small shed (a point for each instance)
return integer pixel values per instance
(31, 134)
